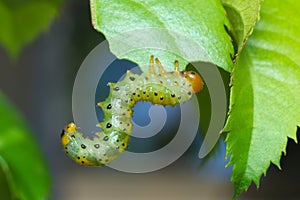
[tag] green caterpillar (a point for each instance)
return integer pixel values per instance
(163, 88)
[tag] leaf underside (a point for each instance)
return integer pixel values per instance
(265, 94)
(242, 15)
(185, 30)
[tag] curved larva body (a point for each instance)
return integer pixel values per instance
(163, 89)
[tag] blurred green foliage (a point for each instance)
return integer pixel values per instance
(22, 163)
(22, 21)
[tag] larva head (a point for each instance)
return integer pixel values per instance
(194, 79)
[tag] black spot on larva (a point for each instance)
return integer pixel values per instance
(189, 93)
(73, 136)
(124, 129)
(146, 78)
(62, 133)
(82, 162)
(97, 146)
(106, 160)
(147, 96)
(100, 159)
(108, 125)
(108, 106)
(155, 94)
(83, 156)
(133, 93)
(128, 124)
(179, 97)
(161, 98)
(83, 146)
(67, 152)
(78, 157)
(126, 101)
(121, 122)
(124, 114)
(66, 147)
(173, 95)
(138, 95)
(116, 89)
(131, 78)
(144, 92)
(123, 144)
(131, 99)
(118, 140)
(105, 138)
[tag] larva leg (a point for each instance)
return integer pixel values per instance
(151, 67)
(176, 68)
(162, 71)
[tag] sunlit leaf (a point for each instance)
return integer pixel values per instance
(243, 16)
(265, 94)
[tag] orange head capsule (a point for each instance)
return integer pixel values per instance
(194, 79)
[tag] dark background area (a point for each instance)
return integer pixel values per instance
(40, 84)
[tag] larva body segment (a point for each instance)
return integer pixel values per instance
(161, 88)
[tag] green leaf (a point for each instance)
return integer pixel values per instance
(242, 16)
(20, 157)
(185, 30)
(265, 94)
(22, 21)
(4, 188)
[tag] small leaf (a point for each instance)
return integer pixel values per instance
(22, 21)
(185, 30)
(20, 157)
(242, 16)
(265, 94)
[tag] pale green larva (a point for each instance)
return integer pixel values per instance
(163, 88)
